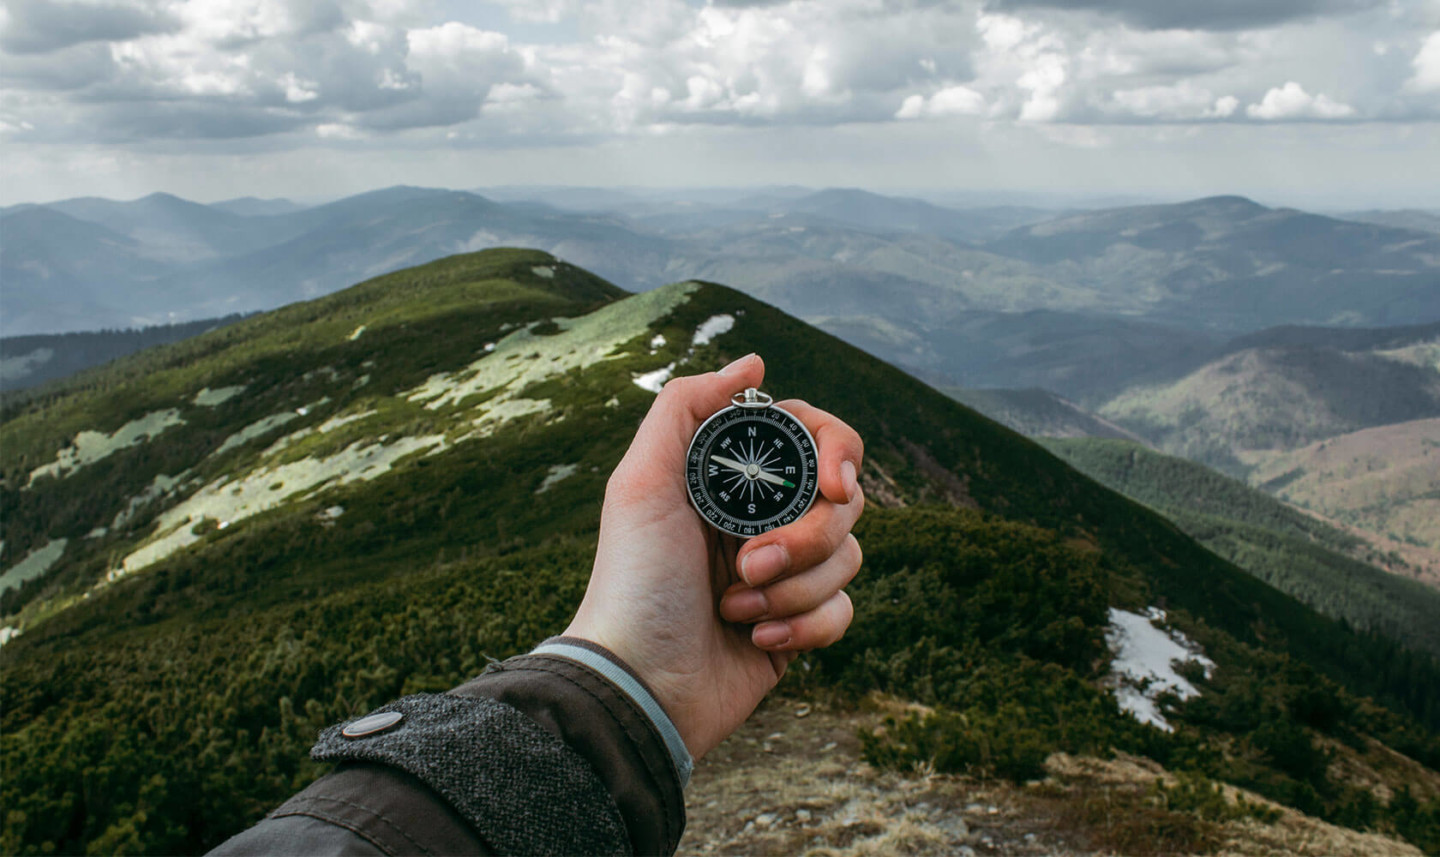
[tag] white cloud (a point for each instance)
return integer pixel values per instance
(1427, 66)
(1176, 102)
(950, 101)
(1291, 101)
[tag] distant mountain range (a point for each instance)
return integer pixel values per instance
(856, 261)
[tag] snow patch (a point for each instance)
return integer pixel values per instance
(92, 446)
(654, 381)
(98, 533)
(7, 634)
(355, 334)
(558, 472)
(713, 327)
(229, 501)
(35, 563)
(544, 271)
(1144, 664)
(657, 342)
(256, 429)
(338, 421)
(208, 398)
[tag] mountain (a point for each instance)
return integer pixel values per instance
(1082, 356)
(1326, 568)
(250, 206)
(1209, 268)
(214, 547)
(1239, 265)
(161, 259)
(888, 214)
(171, 229)
(1039, 413)
(61, 273)
(1416, 219)
(1383, 480)
(1311, 385)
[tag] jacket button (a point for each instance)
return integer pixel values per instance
(372, 724)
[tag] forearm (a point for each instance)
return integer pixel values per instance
(541, 754)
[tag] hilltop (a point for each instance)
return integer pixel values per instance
(224, 543)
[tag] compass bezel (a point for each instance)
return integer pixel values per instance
(697, 486)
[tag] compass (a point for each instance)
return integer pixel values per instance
(751, 467)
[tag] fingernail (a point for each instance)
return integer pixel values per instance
(734, 363)
(762, 565)
(746, 605)
(768, 635)
(847, 475)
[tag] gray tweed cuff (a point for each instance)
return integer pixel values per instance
(520, 787)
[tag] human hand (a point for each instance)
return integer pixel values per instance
(710, 622)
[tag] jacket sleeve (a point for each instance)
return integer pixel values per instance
(562, 751)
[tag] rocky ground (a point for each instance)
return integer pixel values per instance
(791, 781)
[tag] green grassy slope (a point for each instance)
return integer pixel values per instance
(165, 708)
(1291, 551)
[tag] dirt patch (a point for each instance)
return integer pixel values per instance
(791, 781)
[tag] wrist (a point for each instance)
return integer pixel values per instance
(602, 660)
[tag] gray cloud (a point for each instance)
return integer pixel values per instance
(72, 68)
(120, 123)
(1198, 14)
(40, 26)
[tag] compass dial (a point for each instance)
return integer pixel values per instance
(751, 469)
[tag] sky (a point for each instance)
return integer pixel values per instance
(1318, 103)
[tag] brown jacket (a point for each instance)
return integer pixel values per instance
(541, 754)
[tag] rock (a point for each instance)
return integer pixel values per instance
(802, 816)
(764, 820)
(802, 710)
(828, 747)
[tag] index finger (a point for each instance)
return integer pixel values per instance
(840, 447)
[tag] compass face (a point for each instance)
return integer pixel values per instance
(751, 469)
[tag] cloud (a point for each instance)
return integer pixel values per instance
(560, 72)
(40, 26)
(1176, 102)
(950, 101)
(1197, 14)
(1427, 66)
(1291, 101)
(237, 69)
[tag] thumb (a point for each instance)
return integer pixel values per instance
(685, 403)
